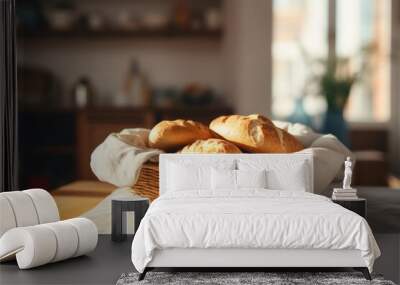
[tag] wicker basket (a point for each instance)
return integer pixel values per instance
(147, 183)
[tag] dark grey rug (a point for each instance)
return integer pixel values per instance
(269, 278)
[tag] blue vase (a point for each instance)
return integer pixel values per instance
(334, 123)
(299, 114)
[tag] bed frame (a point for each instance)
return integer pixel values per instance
(245, 259)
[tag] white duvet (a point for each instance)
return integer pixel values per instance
(250, 219)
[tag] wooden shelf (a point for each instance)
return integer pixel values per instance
(120, 34)
(127, 109)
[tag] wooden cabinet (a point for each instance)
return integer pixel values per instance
(93, 126)
(56, 144)
(47, 146)
(371, 149)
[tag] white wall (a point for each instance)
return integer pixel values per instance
(106, 62)
(239, 66)
(395, 86)
(247, 49)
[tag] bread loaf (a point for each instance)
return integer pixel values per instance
(255, 133)
(173, 135)
(211, 146)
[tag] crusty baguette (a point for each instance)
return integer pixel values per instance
(211, 146)
(173, 135)
(255, 133)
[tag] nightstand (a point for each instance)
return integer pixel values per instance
(358, 206)
(121, 205)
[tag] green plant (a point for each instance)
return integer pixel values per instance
(335, 83)
(333, 78)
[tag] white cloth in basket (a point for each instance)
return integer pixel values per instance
(119, 158)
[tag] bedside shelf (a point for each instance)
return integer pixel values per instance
(358, 206)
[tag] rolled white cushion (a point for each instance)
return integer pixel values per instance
(23, 208)
(67, 240)
(46, 207)
(87, 234)
(33, 246)
(26, 208)
(37, 245)
(7, 218)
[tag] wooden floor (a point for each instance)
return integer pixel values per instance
(110, 259)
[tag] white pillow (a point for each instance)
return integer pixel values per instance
(297, 179)
(281, 174)
(181, 177)
(251, 178)
(184, 175)
(235, 179)
(223, 179)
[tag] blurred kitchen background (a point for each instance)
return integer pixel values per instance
(91, 67)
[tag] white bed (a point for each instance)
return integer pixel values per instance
(248, 227)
